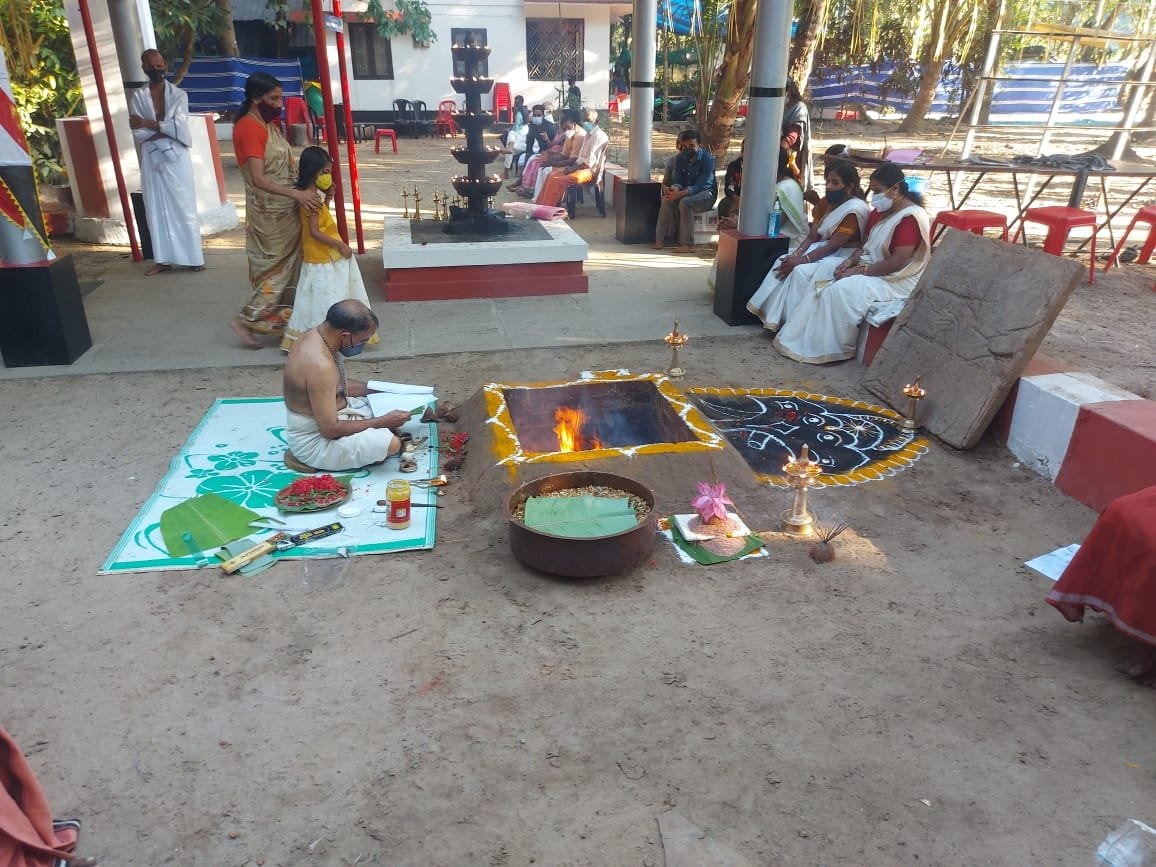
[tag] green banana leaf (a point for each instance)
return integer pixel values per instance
(210, 519)
(584, 517)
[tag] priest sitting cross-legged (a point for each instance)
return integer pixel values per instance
(330, 425)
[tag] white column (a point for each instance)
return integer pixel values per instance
(765, 115)
(642, 89)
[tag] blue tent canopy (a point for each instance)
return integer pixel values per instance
(684, 17)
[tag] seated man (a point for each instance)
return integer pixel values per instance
(728, 206)
(692, 189)
(330, 426)
(565, 158)
(587, 168)
(542, 138)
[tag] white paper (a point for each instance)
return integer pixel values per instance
(399, 387)
(383, 403)
(1052, 565)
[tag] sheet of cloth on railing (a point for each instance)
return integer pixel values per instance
(1119, 183)
(1027, 88)
(218, 83)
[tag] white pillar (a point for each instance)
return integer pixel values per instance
(642, 89)
(117, 102)
(765, 115)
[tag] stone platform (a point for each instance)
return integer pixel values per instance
(502, 267)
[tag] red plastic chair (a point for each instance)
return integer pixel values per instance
(1060, 221)
(297, 112)
(969, 221)
(503, 104)
(1146, 214)
(444, 122)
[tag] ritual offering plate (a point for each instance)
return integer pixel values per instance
(314, 493)
(581, 524)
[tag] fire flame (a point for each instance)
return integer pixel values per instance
(569, 430)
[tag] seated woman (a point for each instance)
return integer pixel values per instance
(827, 300)
(836, 231)
(514, 145)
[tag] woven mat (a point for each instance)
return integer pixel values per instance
(236, 451)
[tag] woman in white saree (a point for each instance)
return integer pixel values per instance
(822, 319)
(836, 232)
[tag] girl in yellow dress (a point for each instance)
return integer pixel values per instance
(329, 273)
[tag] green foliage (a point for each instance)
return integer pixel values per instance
(407, 16)
(178, 23)
(35, 38)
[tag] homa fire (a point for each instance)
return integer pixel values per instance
(570, 429)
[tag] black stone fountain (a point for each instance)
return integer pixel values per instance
(471, 78)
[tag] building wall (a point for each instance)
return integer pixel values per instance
(424, 73)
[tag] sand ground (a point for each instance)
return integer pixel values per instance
(913, 702)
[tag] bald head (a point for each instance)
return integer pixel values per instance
(351, 315)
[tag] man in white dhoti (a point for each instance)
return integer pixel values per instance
(159, 117)
(329, 424)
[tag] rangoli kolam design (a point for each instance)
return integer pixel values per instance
(855, 442)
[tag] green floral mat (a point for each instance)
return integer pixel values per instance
(236, 451)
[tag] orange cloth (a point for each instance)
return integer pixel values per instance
(1115, 569)
(249, 138)
(26, 835)
(554, 190)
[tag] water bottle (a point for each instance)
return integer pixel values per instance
(775, 221)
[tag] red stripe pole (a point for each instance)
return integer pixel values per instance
(330, 120)
(98, 75)
(354, 179)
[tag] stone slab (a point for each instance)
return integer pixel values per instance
(971, 326)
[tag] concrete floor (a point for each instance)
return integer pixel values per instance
(178, 320)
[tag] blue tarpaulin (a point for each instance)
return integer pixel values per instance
(684, 17)
(1085, 91)
(218, 83)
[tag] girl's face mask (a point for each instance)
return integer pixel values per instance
(324, 181)
(837, 197)
(880, 201)
(268, 112)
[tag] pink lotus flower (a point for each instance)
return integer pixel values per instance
(711, 502)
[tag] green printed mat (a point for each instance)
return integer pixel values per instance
(236, 452)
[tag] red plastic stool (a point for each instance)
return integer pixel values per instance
(379, 134)
(1146, 214)
(1060, 221)
(969, 221)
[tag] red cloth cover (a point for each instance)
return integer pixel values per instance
(1114, 571)
(26, 835)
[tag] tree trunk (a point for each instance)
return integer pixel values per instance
(811, 24)
(228, 35)
(928, 82)
(189, 37)
(732, 78)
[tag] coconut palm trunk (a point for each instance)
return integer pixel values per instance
(732, 77)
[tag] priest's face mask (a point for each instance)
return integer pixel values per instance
(154, 65)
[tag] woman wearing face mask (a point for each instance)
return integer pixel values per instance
(273, 229)
(329, 272)
(822, 320)
(836, 231)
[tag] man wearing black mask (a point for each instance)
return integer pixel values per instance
(159, 118)
(542, 130)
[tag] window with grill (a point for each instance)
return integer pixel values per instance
(372, 56)
(554, 48)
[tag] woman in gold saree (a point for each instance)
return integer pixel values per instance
(272, 224)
